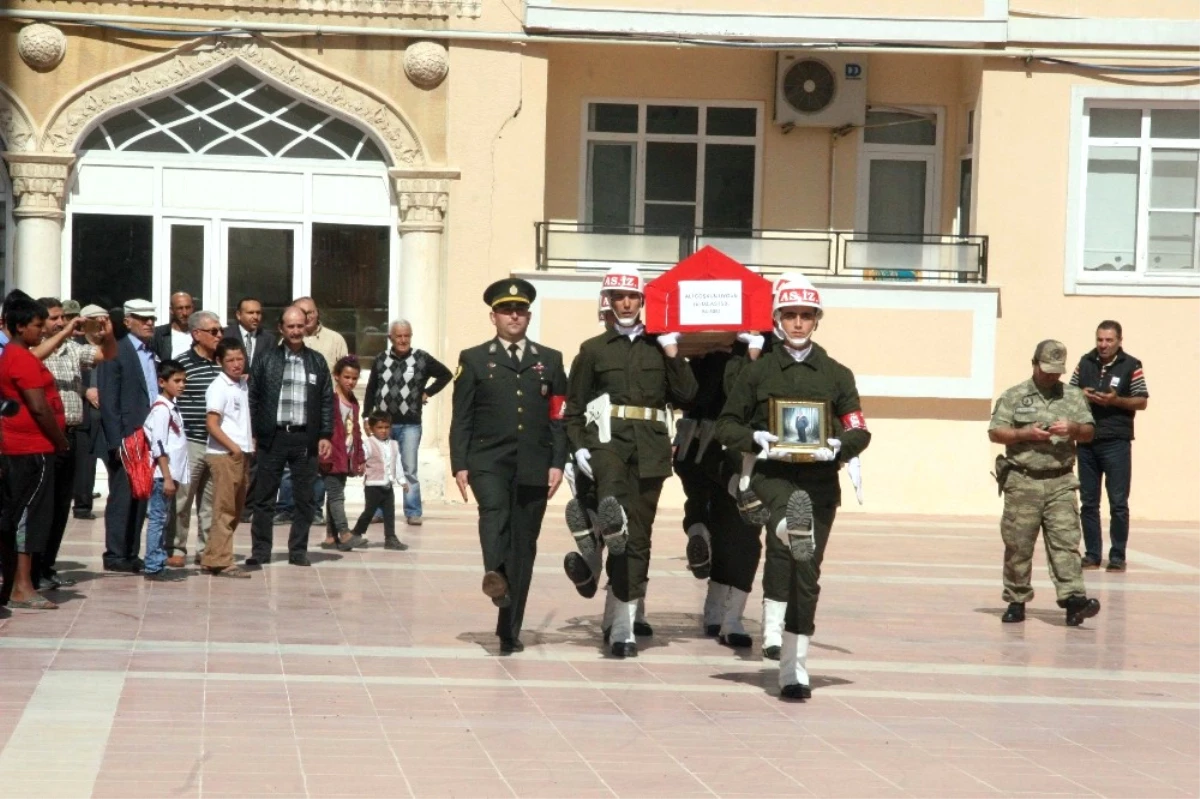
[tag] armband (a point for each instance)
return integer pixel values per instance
(854, 421)
(558, 404)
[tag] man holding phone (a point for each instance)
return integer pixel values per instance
(1115, 387)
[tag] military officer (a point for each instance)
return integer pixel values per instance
(617, 423)
(1039, 421)
(508, 443)
(802, 497)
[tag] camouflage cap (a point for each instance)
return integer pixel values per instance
(1051, 357)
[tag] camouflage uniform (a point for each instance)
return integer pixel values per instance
(1040, 490)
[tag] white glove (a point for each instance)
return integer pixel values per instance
(582, 456)
(830, 453)
(854, 467)
(751, 340)
(668, 340)
(569, 475)
(764, 440)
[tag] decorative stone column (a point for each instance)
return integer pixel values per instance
(423, 196)
(39, 184)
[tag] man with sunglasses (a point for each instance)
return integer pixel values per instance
(127, 384)
(200, 365)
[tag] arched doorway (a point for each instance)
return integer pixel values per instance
(232, 187)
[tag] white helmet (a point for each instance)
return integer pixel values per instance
(605, 305)
(794, 289)
(623, 277)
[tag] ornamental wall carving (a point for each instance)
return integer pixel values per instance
(39, 183)
(438, 9)
(16, 130)
(108, 94)
(422, 201)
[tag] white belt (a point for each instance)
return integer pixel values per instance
(637, 412)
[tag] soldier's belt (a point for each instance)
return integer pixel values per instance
(638, 413)
(1043, 474)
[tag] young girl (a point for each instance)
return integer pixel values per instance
(345, 457)
(382, 473)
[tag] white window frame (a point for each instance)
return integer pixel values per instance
(163, 215)
(930, 154)
(640, 139)
(1138, 283)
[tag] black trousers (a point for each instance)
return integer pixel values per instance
(510, 520)
(628, 574)
(736, 547)
(378, 498)
(286, 450)
(64, 487)
(82, 439)
(29, 481)
(123, 516)
(803, 586)
(1111, 459)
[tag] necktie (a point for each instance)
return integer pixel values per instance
(249, 348)
(516, 359)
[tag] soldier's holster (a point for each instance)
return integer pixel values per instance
(1003, 467)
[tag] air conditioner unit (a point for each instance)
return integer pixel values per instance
(819, 89)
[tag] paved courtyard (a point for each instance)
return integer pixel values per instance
(375, 674)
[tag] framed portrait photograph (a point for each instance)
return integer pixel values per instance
(801, 426)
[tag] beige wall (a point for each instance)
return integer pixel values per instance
(1143, 9)
(901, 9)
(795, 186)
(1021, 205)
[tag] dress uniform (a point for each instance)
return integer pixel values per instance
(1039, 420)
(617, 422)
(721, 546)
(802, 497)
(506, 436)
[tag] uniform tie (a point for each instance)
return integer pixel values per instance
(516, 358)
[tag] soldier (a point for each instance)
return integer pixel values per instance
(721, 546)
(617, 422)
(802, 497)
(1039, 422)
(508, 443)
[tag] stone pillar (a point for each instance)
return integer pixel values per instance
(423, 197)
(39, 184)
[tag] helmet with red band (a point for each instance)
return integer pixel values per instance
(623, 277)
(792, 290)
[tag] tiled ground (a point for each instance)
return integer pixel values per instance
(375, 674)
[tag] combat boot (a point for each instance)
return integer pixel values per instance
(732, 633)
(773, 613)
(714, 608)
(1014, 614)
(1079, 607)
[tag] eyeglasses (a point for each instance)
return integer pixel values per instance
(138, 318)
(212, 331)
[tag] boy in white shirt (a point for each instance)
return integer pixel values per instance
(230, 444)
(382, 471)
(168, 449)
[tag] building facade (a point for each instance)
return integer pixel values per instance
(962, 179)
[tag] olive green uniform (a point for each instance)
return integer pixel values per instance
(818, 378)
(1040, 491)
(503, 434)
(632, 466)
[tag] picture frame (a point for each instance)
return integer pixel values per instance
(802, 426)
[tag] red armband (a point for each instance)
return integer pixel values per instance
(558, 404)
(854, 421)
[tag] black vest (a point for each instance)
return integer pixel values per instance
(1110, 422)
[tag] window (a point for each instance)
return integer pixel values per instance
(350, 284)
(898, 174)
(111, 258)
(672, 167)
(234, 113)
(1140, 209)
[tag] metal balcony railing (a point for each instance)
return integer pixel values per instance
(824, 254)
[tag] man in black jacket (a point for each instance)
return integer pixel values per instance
(508, 442)
(291, 413)
(1115, 387)
(127, 384)
(174, 338)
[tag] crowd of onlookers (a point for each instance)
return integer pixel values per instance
(236, 423)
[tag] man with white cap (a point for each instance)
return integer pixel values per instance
(802, 496)
(127, 384)
(617, 423)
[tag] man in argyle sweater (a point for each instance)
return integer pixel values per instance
(402, 381)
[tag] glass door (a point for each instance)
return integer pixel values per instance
(260, 260)
(188, 256)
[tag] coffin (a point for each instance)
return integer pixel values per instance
(708, 293)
